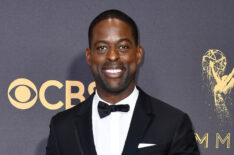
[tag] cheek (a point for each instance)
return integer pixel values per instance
(97, 61)
(132, 67)
(131, 64)
(96, 66)
(129, 58)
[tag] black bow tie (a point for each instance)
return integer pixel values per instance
(105, 109)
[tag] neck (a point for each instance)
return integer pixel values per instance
(112, 97)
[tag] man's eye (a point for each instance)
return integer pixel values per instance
(121, 47)
(101, 48)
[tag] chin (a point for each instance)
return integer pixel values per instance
(115, 88)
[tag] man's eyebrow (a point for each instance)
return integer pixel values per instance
(105, 42)
(125, 39)
(100, 41)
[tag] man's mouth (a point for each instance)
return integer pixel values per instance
(113, 70)
(113, 73)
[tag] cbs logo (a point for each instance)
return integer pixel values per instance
(23, 94)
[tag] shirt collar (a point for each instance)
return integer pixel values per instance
(128, 100)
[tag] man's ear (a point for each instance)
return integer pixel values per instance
(88, 57)
(139, 54)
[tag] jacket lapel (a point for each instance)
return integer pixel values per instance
(141, 120)
(83, 127)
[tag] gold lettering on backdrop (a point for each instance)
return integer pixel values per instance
(220, 84)
(42, 91)
(203, 139)
(226, 139)
(24, 99)
(91, 87)
(69, 95)
(22, 93)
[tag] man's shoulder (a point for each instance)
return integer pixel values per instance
(160, 107)
(69, 114)
(163, 107)
(168, 116)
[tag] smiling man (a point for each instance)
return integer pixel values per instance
(119, 118)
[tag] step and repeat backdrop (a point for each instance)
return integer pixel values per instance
(188, 63)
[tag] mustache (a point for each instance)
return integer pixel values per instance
(113, 65)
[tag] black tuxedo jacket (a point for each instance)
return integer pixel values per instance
(153, 122)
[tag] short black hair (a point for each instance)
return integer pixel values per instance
(113, 14)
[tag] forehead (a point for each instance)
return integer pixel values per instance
(112, 29)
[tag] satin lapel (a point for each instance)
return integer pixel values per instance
(141, 119)
(83, 125)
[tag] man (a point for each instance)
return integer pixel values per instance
(119, 118)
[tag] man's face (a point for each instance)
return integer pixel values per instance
(113, 55)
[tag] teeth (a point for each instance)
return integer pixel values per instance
(113, 70)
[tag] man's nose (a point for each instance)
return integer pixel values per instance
(113, 54)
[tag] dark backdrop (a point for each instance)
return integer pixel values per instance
(42, 40)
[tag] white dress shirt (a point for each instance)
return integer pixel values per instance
(110, 132)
